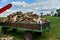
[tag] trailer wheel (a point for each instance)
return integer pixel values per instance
(28, 36)
(4, 30)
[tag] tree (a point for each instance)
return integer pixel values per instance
(41, 13)
(58, 12)
(52, 13)
(48, 15)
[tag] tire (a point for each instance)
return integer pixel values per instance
(28, 35)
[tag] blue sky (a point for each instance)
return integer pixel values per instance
(15, 7)
(36, 6)
(5, 2)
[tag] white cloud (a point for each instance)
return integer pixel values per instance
(19, 3)
(37, 5)
(49, 3)
(7, 12)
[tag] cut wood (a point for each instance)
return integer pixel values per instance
(27, 17)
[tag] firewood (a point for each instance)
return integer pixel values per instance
(28, 17)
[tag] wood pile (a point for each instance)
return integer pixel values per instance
(28, 17)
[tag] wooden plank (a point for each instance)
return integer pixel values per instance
(25, 25)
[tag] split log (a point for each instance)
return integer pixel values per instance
(27, 17)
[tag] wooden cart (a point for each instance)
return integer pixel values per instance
(29, 28)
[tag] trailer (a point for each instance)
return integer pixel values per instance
(29, 28)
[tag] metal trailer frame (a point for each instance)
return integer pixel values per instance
(44, 27)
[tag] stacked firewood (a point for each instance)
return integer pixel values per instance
(28, 17)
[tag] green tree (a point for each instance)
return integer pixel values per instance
(52, 12)
(41, 13)
(58, 12)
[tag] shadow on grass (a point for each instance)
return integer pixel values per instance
(17, 35)
(41, 36)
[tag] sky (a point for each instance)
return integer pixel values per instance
(37, 6)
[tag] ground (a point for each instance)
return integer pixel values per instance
(53, 34)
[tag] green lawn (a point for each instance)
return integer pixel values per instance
(53, 34)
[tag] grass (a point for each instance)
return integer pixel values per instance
(53, 34)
